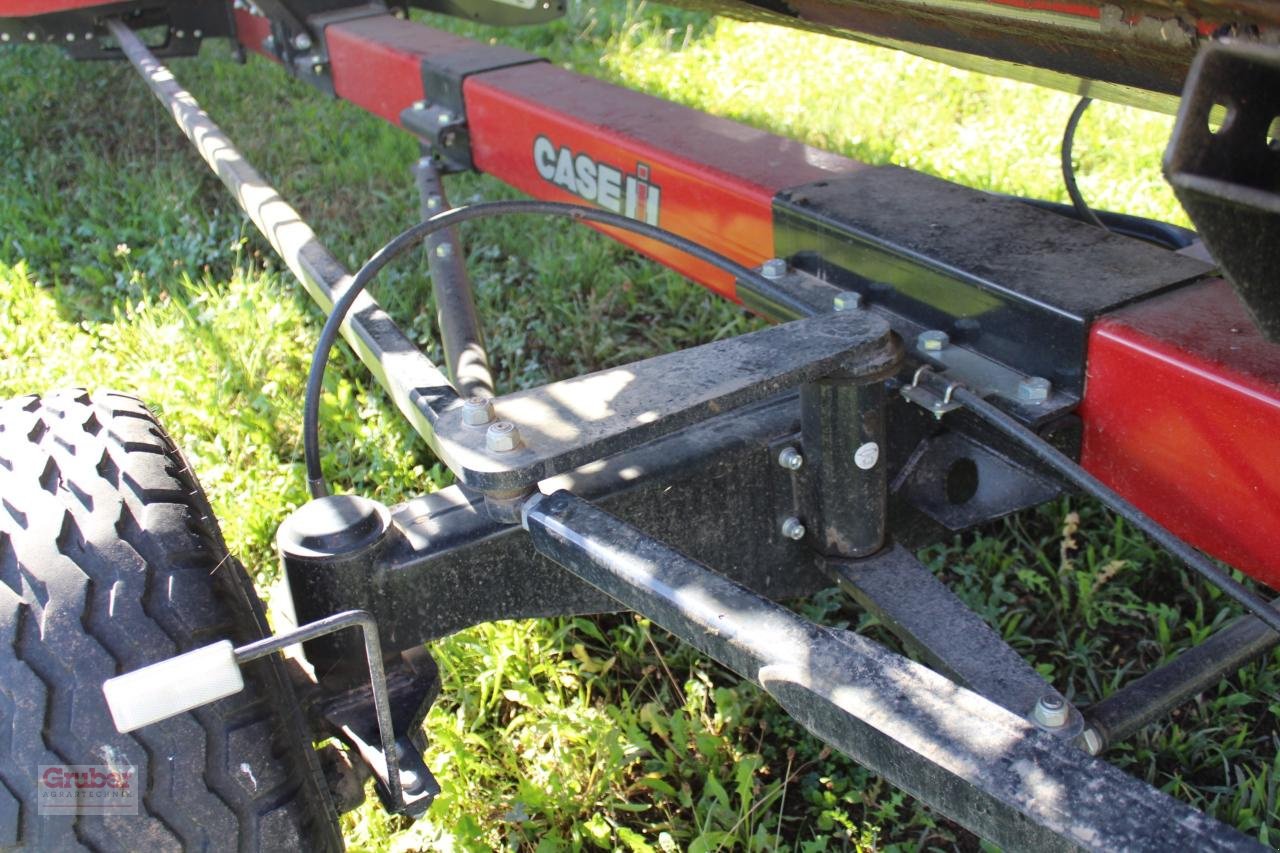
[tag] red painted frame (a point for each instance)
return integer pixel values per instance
(1182, 397)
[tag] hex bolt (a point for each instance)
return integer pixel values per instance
(419, 105)
(477, 411)
(502, 437)
(302, 41)
(71, 36)
(180, 33)
(444, 250)
(1034, 389)
(31, 36)
(792, 528)
(934, 340)
(850, 301)
(4, 36)
(790, 458)
(433, 202)
(444, 117)
(1051, 711)
(774, 268)
(198, 33)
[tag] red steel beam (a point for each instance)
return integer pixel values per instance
(1183, 396)
(1182, 416)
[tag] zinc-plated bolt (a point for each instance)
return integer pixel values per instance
(419, 105)
(317, 68)
(302, 41)
(850, 301)
(4, 36)
(180, 33)
(934, 340)
(774, 268)
(71, 36)
(31, 36)
(1034, 389)
(444, 117)
(477, 411)
(790, 458)
(444, 250)
(1092, 741)
(433, 202)
(1051, 711)
(198, 33)
(502, 437)
(792, 528)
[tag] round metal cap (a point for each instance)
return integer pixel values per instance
(333, 526)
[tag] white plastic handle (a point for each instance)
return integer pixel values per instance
(168, 688)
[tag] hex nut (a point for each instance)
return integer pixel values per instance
(790, 458)
(792, 528)
(850, 301)
(1051, 711)
(1092, 741)
(934, 340)
(1034, 389)
(773, 268)
(477, 411)
(502, 437)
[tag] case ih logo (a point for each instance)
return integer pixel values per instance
(86, 789)
(629, 194)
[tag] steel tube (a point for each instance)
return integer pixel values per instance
(417, 386)
(464, 353)
(966, 756)
(1197, 669)
(842, 422)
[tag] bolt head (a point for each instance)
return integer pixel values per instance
(792, 528)
(774, 268)
(850, 301)
(477, 411)
(1034, 389)
(790, 458)
(444, 117)
(502, 437)
(302, 41)
(419, 105)
(1051, 711)
(444, 250)
(71, 36)
(934, 340)
(433, 202)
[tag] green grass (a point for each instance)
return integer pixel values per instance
(122, 263)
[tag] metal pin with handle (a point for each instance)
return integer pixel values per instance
(178, 684)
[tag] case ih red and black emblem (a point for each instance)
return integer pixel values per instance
(632, 195)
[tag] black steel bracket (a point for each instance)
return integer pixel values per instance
(440, 119)
(1223, 161)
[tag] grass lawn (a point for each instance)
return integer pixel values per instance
(123, 263)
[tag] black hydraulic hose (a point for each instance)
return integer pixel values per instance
(413, 237)
(1094, 487)
(1069, 170)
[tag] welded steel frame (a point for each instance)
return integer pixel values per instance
(981, 763)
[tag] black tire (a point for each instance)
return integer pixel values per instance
(110, 559)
